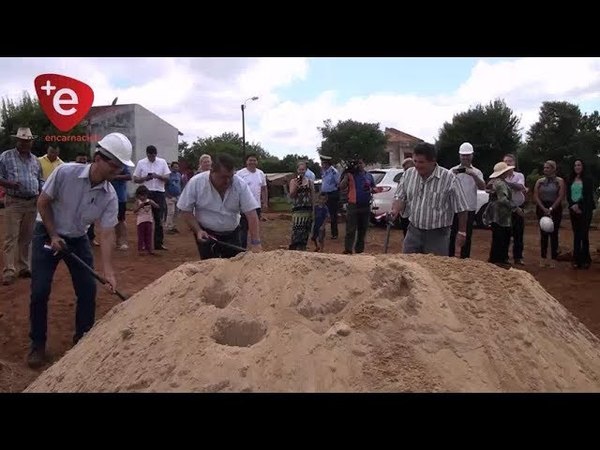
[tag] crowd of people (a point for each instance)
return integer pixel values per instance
(55, 209)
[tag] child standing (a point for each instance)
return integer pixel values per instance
(321, 219)
(145, 221)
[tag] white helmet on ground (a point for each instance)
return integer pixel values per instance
(546, 224)
(118, 145)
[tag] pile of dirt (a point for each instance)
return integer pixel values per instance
(286, 321)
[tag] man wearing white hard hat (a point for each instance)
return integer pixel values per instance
(470, 179)
(74, 197)
(498, 214)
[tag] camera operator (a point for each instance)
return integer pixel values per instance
(470, 179)
(359, 186)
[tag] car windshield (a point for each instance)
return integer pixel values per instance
(377, 176)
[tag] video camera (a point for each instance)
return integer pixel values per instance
(351, 165)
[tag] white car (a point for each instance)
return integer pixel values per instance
(388, 179)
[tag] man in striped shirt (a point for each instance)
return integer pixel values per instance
(433, 195)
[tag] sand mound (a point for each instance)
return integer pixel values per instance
(294, 321)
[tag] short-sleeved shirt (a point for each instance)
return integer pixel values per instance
(469, 186)
(26, 171)
(518, 198)
(310, 174)
(256, 180)
(173, 188)
(434, 201)
(121, 186)
(158, 167)
(213, 212)
(76, 204)
(49, 166)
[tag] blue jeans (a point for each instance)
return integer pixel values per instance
(43, 266)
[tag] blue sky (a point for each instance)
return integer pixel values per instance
(202, 96)
(362, 76)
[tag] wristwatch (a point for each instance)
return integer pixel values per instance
(462, 233)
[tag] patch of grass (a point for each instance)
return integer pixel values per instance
(280, 204)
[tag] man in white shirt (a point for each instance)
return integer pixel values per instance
(516, 182)
(153, 172)
(212, 203)
(309, 173)
(470, 179)
(257, 182)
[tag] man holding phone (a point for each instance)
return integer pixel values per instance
(153, 172)
(470, 179)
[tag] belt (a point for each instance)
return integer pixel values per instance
(22, 197)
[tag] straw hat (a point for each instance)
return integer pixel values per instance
(24, 134)
(500, 168)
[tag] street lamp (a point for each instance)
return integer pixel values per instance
(244, 126)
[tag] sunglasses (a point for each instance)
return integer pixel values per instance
(113, 162)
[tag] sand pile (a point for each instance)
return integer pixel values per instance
(305, 322)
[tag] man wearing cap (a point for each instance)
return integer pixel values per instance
(331, 186)
(434, 196)
(21, 176)
(50, 161)
(470, 179)
(74, 197)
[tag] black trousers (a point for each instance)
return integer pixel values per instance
(465, 251)
(500, 243)
(518, 230)
(158, 214)
(556, 218)
(404, 223)
(357, 223)
(581, 241)
(333, 204)
(211, 249)
(244, 229)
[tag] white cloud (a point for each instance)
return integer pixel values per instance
(202, 96)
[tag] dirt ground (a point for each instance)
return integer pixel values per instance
(576, 290)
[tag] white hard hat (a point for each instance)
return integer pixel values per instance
(465, 149)
(118, 145)
(546, 224)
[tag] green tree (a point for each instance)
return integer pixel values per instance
(289, 163)
(563, 134)
(27, 113)
(493, 130)
(350, 139)
(230, 143)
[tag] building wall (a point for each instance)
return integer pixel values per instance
(143, 128)
(120, 120)
(152, 130)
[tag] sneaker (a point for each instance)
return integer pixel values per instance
(162, 247)
(543, 262)
(124, 247)
(96, 243)
(347, 252)
(519, 262)
(36, 357)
